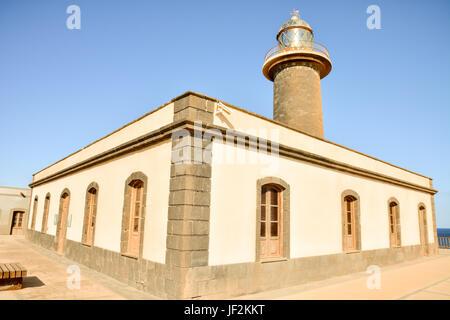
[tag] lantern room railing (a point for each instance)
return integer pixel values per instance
(306, 46)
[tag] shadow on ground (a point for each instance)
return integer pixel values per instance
(32, 282)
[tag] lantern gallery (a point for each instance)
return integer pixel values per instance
(202, 199)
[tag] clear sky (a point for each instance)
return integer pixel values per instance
(388, 94)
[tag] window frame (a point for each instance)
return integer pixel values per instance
(34, 213)
(90, 214)
(137, 190)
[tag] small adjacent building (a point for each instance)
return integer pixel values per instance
(203, 199)
(14, 203)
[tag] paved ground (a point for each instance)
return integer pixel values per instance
(47, 276)
(427, 278)
(422, 279)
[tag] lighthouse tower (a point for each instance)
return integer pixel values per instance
(296, 65)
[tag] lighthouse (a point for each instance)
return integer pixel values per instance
(296, 65)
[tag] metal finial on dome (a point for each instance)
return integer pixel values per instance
(295, 14)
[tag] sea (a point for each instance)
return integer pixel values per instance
(443, 232)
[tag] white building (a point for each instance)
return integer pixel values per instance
(200, 198)
(14, 204)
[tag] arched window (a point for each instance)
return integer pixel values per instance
(134, 215)
(394, 223)
(351, 227)
(33, 218)
(90, 213)
(61, 227)
(45, 215)
(272, 239)
(423, 229)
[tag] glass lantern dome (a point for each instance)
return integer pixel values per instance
(295, 33)
(295, 43)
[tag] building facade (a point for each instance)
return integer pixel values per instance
(202, 199)
(13, 209)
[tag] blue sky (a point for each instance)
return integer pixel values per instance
(388, 94)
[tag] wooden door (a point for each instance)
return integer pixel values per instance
(17, 222)
(423, 230)
(62, 227)
(271, 223)
(349, 224)
(137, 191)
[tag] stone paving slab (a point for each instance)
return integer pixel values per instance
(426, 295)
(426, 278)
(47, 276)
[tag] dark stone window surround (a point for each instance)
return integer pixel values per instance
(126, 215)
(285, 194)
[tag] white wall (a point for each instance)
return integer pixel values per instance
(315, 208)
(111, 176)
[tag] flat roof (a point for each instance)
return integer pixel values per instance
(15, 188)
(237, 108)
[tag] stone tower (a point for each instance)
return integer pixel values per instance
(296, 65)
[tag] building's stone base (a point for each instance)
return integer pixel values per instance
(224, 281)
(44, 240)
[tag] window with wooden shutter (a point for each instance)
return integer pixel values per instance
(33, 218)
(61, 228)
(135, 214)
(45, 215)
(423, 229)
(271, 222)
(90, 216)
(349, 223)
(394, 224)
